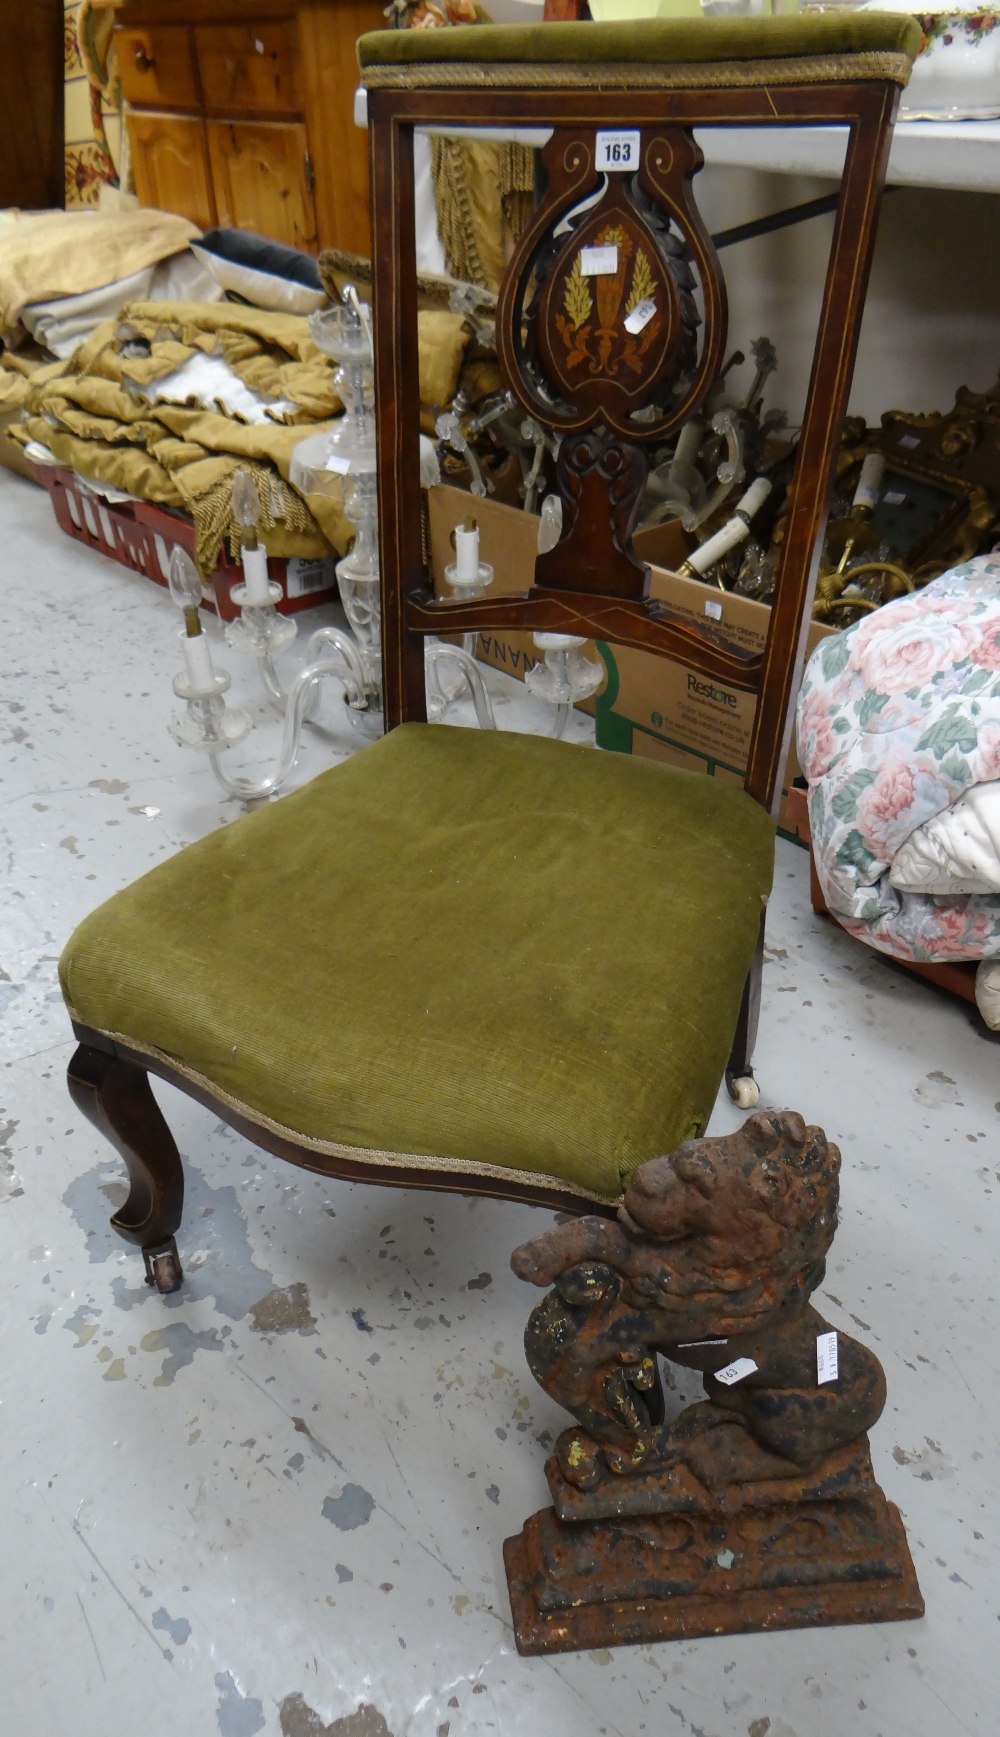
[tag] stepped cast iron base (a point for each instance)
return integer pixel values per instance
(578, 1584)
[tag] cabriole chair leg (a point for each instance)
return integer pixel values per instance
(115, 1096)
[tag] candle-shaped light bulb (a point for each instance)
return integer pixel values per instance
(359, 309)
(246, 512)
(246, 507)
(185, 589)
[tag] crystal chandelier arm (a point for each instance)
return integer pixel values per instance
(345, 648)
(298, 702)
(469, 668)
(272, 682)
(437, 700)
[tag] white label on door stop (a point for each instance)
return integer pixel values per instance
(618, 150)
(640, 316)
(893, 498)
(339, 464)
(909, 440)
(737, 1371)
(713, 609)
(826, 1358)
(599, 261)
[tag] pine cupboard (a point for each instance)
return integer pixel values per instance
(241, 113)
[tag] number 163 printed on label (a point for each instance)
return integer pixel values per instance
(618, 150)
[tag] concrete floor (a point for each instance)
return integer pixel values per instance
(275, 1502)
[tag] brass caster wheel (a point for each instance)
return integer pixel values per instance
(163, 1267)
(743, 1089)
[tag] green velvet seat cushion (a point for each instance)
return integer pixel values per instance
(649, 41)
(484, 948)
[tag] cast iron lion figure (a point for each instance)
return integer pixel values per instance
(712, 1262)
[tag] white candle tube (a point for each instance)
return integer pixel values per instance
(255, 577)
(754, 499)
(732, 532)
(466, 555)
(198, 663)
(870, 481)
(688, 443)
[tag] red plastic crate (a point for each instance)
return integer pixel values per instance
(142, 536)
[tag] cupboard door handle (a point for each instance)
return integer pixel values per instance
(145, 62)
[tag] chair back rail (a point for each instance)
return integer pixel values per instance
(619, 621)
(549, 320)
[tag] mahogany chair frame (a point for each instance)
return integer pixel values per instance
(108, 1077)
(866, 109)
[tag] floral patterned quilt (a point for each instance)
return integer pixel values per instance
(898, 716)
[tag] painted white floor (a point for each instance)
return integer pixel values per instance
(275, 1503)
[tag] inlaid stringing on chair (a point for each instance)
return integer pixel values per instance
(508, 965)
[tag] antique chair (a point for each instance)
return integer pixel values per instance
(496, 963)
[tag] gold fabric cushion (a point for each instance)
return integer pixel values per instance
(442, 340)
(492, 950)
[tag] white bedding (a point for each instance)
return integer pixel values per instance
(957, 851)
(63, 322)
(211, 382)
(899, 740)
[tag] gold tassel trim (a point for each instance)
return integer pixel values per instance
(470, 254)
(213, 518)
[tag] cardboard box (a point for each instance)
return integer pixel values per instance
(649, 705)
(665, 711)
